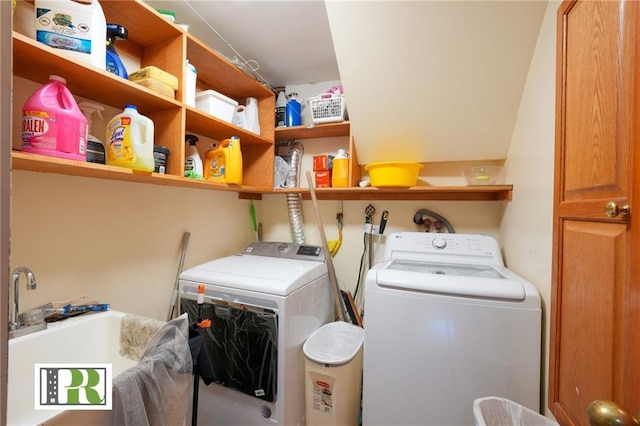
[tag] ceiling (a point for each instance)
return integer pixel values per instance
(426, 81)
(289, 40)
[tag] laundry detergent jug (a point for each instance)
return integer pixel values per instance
(52, 122)
(223, 162)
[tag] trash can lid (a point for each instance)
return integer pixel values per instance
(334, 343)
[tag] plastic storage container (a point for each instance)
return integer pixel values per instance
(501, 411)
(216, 104)
(52, 123)
(333, 374)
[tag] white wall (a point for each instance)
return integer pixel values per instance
(526, 229)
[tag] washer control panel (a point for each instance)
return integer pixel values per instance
(444, 247)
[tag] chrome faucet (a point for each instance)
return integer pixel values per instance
(14, 320)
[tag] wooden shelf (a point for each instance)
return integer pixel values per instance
(329, 130)
(43, 164)
(439, 193)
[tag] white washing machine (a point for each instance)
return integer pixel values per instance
(445, 323)
(264, 303)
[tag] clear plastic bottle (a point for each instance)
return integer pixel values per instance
(95, 147)
(130, 140)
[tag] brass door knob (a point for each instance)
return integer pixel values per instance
(608, 413)
(612, 209)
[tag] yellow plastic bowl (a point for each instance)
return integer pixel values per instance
(395, 174)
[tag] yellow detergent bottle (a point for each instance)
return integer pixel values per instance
(233, 171)
(214, 164)
(130, 140)
(223, 162)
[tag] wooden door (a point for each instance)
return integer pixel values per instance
(595, 307)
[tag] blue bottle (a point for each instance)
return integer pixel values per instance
(114, 63)
(293, 111)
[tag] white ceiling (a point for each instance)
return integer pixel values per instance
(426, 81)
(290, 40)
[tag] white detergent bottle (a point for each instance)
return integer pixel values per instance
(130, 140)
(77, 28)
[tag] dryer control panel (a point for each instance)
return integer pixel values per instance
(285, 250)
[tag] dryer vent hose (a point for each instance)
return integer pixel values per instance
(294, 201)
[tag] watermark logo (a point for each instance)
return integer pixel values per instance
(73, 386)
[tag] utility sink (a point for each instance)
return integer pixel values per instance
(85, 339)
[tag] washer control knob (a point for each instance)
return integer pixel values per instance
(283, 247)
(439, 243)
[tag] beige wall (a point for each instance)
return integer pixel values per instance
(526, 230)
(119, 242)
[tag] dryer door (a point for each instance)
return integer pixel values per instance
(242, 344)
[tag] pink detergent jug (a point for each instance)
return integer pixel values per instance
(52, 122)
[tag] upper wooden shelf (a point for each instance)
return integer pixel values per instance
(328, 130)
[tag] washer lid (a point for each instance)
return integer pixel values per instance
(449, 278)
(261, 274)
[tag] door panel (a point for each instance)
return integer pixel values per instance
(590, 340)
(594, 110)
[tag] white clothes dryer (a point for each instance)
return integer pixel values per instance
(445, 323)
(264, 303)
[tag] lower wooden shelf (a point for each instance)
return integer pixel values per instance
(43, 164)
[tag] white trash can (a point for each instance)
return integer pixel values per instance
(333, 374)
(501, 411)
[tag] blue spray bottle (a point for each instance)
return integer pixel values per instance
(114, 63)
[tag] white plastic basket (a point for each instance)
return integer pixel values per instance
(328, 108)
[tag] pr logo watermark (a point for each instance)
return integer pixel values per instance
(73, 386)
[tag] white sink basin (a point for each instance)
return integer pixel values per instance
(85, 339)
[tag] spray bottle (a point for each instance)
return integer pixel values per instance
(114, 63)
(193, 162)
(95, 147)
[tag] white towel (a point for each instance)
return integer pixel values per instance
(157, 391)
